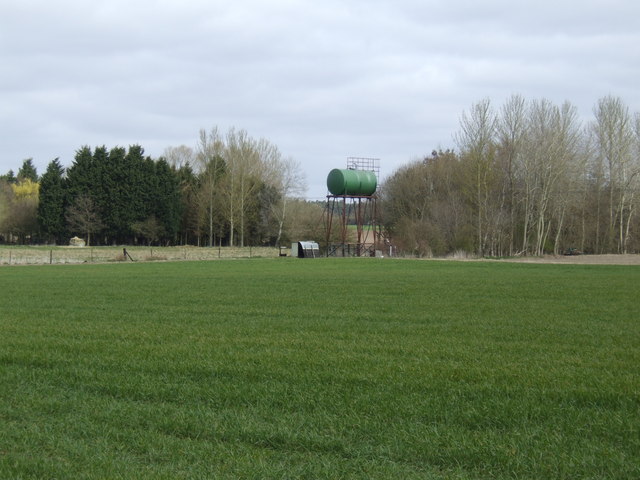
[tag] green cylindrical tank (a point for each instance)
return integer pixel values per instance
(351, 182)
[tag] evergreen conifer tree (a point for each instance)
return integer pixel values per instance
(28, 171)
(52, 203)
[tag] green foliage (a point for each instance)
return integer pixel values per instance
(83, 217)
(122, 194)
(231, 191)
(168, 202)
(191, 219)
(86, 191)
(18, 210)
(5, 192)
(83, 175)
(341, 368)
(27, 171)
(8, 177)
(51, 206)
(127, 189)
(262, 225)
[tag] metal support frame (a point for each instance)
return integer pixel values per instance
(363, 210)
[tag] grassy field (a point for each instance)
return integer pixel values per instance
(329, 368)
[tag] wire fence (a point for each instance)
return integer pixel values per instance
(78, 255)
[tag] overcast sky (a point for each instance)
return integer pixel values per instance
(322, 80)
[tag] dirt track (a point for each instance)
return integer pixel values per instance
(66, 255)
(581, 259)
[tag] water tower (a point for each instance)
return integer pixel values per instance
(351, 213)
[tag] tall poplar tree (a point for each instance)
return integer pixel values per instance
(476, 141)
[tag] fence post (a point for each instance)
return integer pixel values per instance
(50, 257)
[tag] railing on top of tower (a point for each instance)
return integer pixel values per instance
(364, 163)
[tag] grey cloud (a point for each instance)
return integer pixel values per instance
(322, 80)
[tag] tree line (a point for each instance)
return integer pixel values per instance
(527, 179)
(232, 189)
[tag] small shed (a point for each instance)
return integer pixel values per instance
(305, 250)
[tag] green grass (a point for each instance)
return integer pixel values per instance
(330, 368)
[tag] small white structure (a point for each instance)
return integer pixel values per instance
(305, 250)
(77, 242)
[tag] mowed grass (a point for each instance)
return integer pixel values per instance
(328, 368)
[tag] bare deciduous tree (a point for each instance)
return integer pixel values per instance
(511, 129)
(290, 183)
(150, 229)
(211, 166)
(179, 157)
(613, 132)
(476, 141)
(82, 216)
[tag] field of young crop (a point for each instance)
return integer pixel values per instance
(327, 368)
